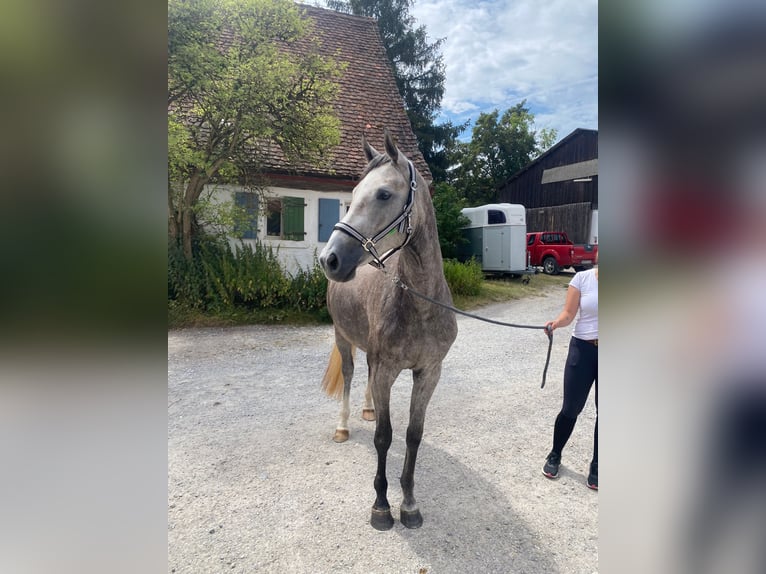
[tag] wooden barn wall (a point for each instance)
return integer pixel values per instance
(527, 190)
(531, 194)
(573, 218)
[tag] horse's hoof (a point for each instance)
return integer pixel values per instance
(368, 414)
(411, 518)
(341, 435)
(381, 519)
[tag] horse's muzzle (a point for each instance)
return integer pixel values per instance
(337, 266)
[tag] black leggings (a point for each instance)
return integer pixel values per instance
(580, 372)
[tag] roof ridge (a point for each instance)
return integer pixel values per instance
(334, 12)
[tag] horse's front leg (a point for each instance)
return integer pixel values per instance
(381, 518)
(424, 383)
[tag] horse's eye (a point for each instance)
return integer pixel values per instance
(383, 195)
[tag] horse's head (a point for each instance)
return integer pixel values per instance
(378, 220)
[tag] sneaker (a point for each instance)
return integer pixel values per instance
(551, 467)
(593, 476)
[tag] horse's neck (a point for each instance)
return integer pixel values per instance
(420, 262)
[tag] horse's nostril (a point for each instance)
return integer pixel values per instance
(332, 262)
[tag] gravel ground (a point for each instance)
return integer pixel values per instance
(256, 484)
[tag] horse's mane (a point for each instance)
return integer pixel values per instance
(376, 162)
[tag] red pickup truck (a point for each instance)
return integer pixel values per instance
(553, 251)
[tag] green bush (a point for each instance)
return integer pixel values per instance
(186, 279)
(308, 289)
(221, 280)
(449, 219)
(464, 278)
(250, 278)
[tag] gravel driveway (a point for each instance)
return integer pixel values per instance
(256, 484)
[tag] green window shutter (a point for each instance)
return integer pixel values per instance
(292, 218)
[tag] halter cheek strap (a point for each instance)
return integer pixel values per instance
(402, 224)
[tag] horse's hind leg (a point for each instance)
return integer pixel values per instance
(347, 370)
(368, 410)
(424, 383)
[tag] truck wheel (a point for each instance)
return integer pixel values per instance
(550, 266)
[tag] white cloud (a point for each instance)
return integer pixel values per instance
(500, 52)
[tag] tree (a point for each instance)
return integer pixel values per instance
(449, 219)
(234, 85)
(419, 71)
(500, 146)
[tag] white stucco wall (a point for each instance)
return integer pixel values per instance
(294, 255)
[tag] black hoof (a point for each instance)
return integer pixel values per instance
(411, 518)
(382, 519)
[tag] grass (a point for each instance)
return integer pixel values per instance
(498, 290)
(493, 290)
(180, 317)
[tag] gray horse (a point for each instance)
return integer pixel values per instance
(390, 224)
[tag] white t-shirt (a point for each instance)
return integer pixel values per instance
(739, 297)
(586, 326)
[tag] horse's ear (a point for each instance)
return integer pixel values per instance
(369, 151)
(391, 149)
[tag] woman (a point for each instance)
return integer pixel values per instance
(581, 369)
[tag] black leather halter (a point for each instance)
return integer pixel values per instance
(403, 224)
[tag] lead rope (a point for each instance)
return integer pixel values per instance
(398, 282)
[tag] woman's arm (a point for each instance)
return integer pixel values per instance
(571, 305)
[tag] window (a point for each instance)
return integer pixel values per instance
(530, 239)
(284, 218)
(247, 227)
(494, 216)
(274, 218)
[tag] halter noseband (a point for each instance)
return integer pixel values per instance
(403, 224)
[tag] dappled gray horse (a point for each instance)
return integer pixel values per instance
(389, 224)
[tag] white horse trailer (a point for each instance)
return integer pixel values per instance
(497, 237)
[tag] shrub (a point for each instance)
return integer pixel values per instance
(251, 278)
(221, 280)
(186, 279)
(449, 219)
(464, 278)
(308, 289)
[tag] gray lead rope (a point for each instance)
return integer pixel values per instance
(548, 332)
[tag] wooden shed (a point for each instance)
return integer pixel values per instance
(560, 188)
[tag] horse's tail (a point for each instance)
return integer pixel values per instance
(332, 381)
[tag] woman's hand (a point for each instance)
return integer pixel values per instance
(550, 326)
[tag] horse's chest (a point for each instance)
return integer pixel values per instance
(413, 341)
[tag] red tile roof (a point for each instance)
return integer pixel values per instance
(368, 99)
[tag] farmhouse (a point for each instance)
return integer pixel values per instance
(303, 202)
(560, 188)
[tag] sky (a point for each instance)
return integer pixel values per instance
(500, 52)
